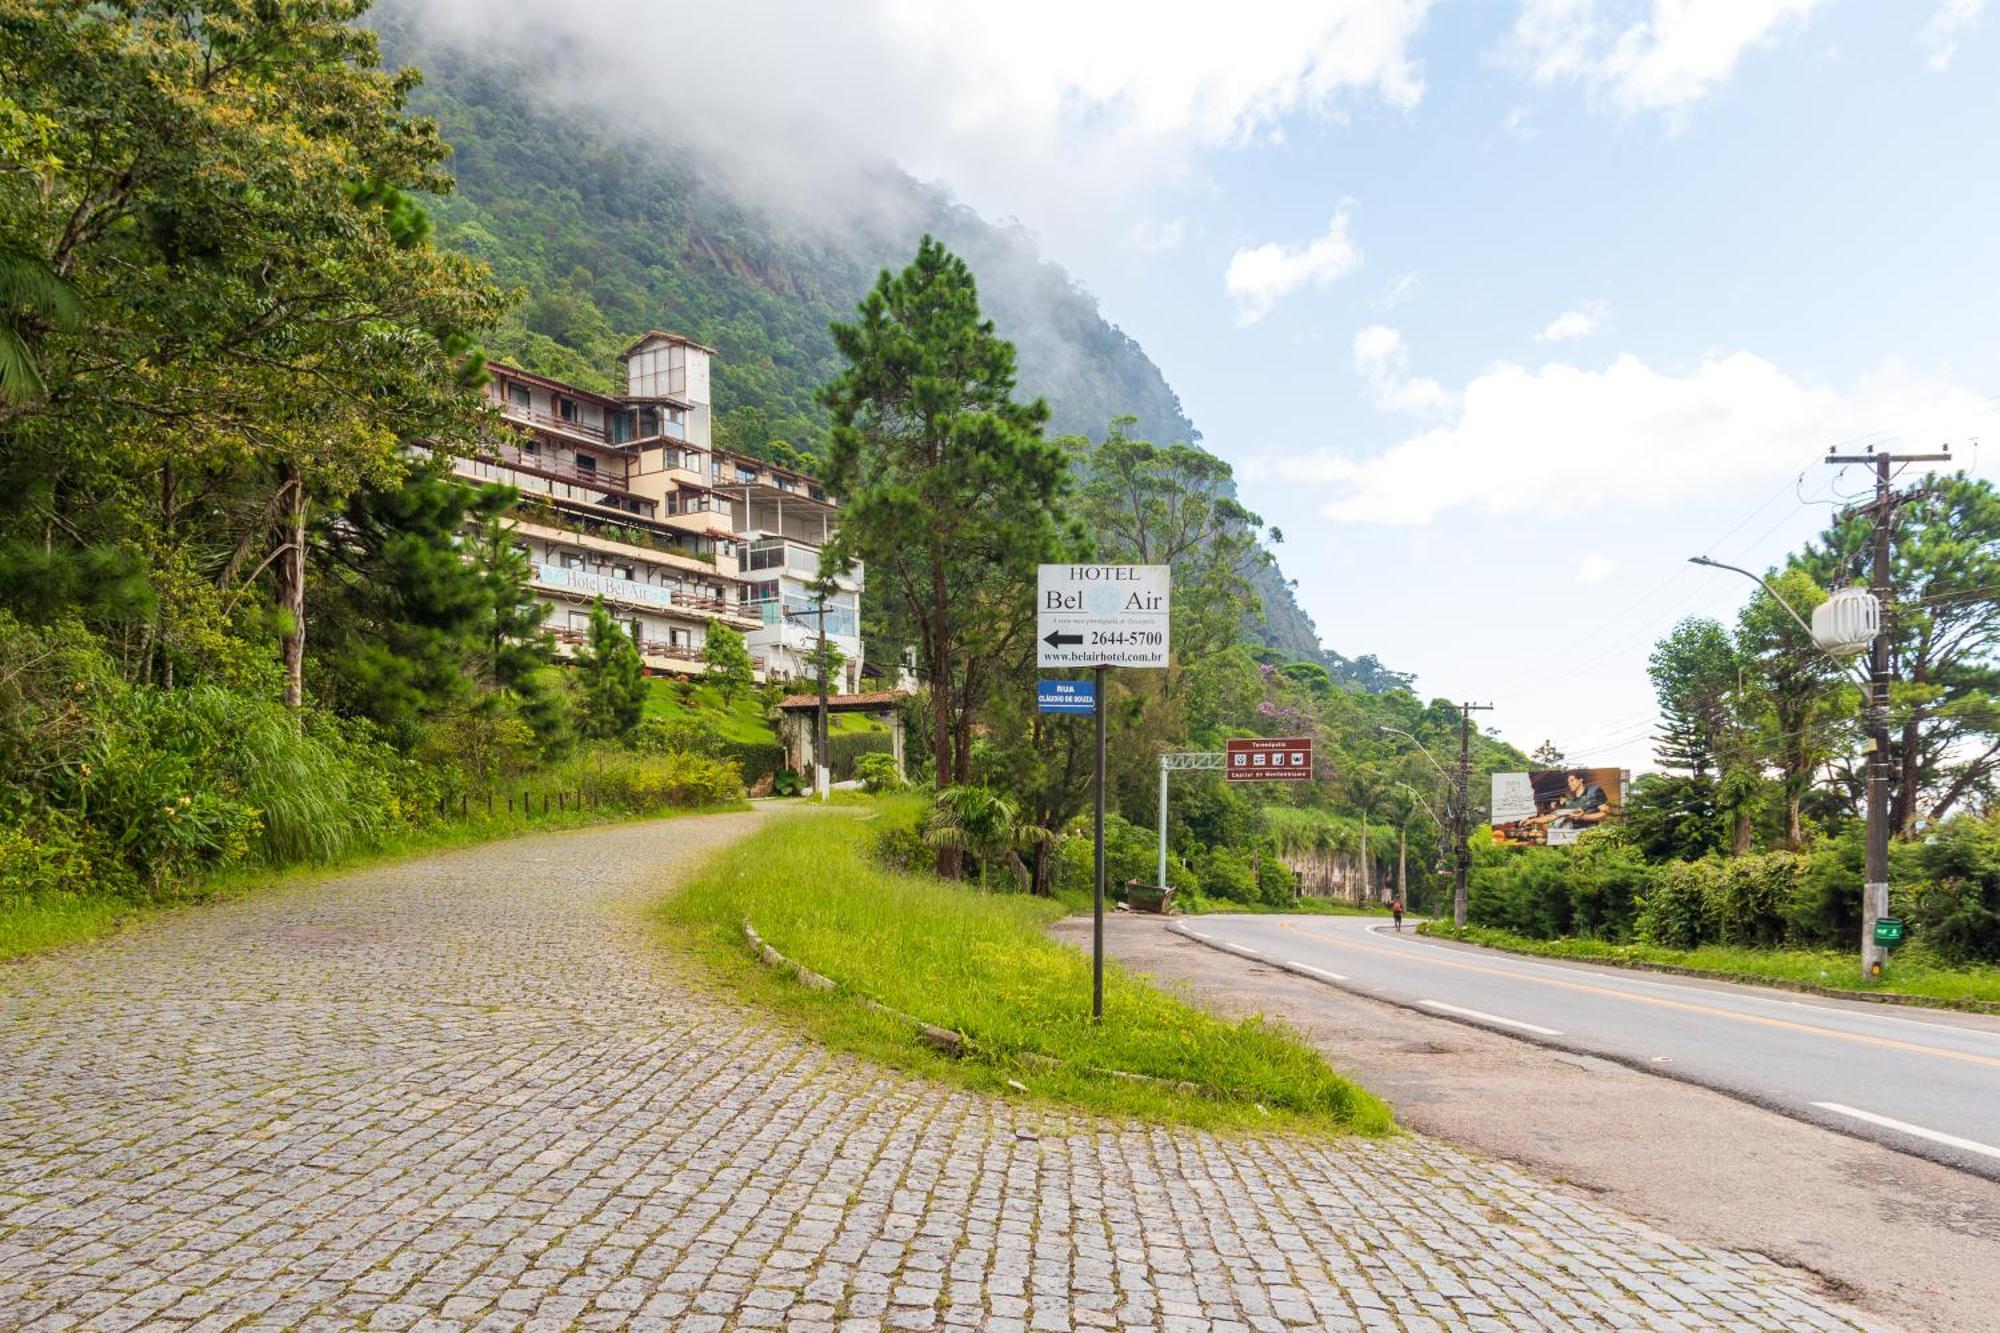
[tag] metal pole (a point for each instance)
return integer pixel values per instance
(1097, 904)
(1875, 893)
(1162, 881)
(824, 778)
(1461, 854)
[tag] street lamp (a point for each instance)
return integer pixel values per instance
(1398, 731)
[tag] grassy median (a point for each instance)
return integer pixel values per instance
(981, 964)
(1910, 971)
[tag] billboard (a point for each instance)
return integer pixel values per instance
(1266, 759)
(1553, 807)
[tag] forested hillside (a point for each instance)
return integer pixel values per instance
(609, 237)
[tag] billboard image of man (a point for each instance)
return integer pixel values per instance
(1586, 806)
(1553, 807)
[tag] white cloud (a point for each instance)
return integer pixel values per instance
(1949, 22)
(1581, 322)
(1403, 291)
(1036, 109)
(1381, 358)
(1595, 569)
(1153, 237)
(1261, 276)
(1647, 55)
(1564, 440)
(1517, 124)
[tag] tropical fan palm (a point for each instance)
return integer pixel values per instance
(32, 296)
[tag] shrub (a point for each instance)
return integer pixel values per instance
(677, 735)
(671, 781)
(1679, 910)
(1957, 910)
(845, 750)
(878, 774)
(58, 854)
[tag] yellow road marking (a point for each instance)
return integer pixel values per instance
(1423, 956)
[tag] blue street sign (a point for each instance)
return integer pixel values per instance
(1066, 696)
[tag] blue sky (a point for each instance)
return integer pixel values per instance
(1500, 308)
(1800, 255)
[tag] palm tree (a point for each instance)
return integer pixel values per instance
(985, 823)
(33, 298)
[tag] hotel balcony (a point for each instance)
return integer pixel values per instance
(660, 656)
(532, 475)
(582, 585)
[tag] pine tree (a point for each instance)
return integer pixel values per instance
(613, 679)
(727, 660)
(949, 491)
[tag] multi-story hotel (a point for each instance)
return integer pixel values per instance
(623, 498)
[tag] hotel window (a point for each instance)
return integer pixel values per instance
(623, 572)
(571, 559)
(518, 395)
(585, 463)
(567, 409)
(531, 446)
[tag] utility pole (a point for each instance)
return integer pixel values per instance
(1875, 889)
(1461, 810)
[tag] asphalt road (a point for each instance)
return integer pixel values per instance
(1925, 1082)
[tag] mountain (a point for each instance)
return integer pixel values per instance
(607, 235)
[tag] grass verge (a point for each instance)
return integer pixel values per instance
(1911, 972)
(981, 964)
(31, 924)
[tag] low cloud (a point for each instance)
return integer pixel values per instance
(1381, 358)
(1647, 56)
(1581, 322)
(1564, 440)
(1401, 292)
(1261, 276)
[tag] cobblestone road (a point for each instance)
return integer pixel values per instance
(469, 1092)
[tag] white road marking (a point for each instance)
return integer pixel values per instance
(1905, 1127)
(1484, 1017)
(1318, 972)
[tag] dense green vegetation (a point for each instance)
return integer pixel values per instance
(1916, 973)
(1752, 836)
(980, 964)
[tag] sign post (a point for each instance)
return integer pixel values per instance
(1100, 616)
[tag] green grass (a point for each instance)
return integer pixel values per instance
(740, 720)
(982, 964)
(1911, 972)
(48, 921)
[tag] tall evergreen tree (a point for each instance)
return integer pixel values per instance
(728, 661)
(949, 491)
(612, 679)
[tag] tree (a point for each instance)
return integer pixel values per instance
(1944, 638)
(1802, 704)
(948, 490)
(612, 678)
(1698, 679)
(1175, 505)
(414, 628)
(260, 319)
(1546, 755)
(727, 660)
(33, 299)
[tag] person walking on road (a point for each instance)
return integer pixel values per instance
(1396, 907)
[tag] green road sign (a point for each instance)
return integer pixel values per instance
(1888, 930)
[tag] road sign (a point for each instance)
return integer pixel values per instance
(1066, 696)
(1268, 759)
(1101, 615)
(1889, 930)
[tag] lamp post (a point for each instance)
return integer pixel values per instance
(1875, 716)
